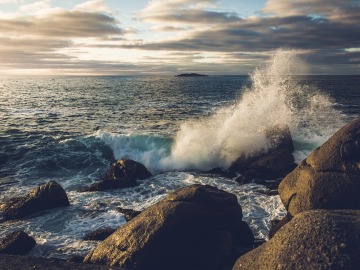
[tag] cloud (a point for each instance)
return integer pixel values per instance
(9, 1)
(39, 35)
(62, 24)
(185, 12)
(35, 8)
(93, 6)
(326, 8)
(178, 34)
(322, 28)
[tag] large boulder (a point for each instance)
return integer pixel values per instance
(316, 239)
(47, 196)
(17, 243)
(329, 178)
(123, 173)
(273, 161)
(198, 227)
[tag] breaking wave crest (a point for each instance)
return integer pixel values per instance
(275, 97)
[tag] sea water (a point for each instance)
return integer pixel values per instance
(69, 129)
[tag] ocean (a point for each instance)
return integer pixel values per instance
(69, 129)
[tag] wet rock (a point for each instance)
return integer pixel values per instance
(127, 168)
(329, 178)
(123, 173)
(316, 239)
(271, 163)
(99, 234)
(128, 213)
(279, 137)
(44, 197)
(220, 172)
(17, 243)
(274, 165)
(198, 227)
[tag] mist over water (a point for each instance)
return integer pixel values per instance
(273, 98)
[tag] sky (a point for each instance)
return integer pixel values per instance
(123, 37)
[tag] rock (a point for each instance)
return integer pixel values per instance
(277, 224)
(9, 201)
(316, 239)
(271, 163)
(276, 164)
(128, 213)
(123, 173)
(17, 243)
(329, 178)
(242, 163)
(197, 227)
(279, 137)
(99, 234)
(44, 197)
(127, 168)
(220, 172)
(191, 75)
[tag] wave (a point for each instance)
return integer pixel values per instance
(147, 149)
(275, 97)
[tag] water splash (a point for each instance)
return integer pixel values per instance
(275, 97)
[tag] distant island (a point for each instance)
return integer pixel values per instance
(191, 75)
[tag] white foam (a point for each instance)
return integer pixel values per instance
(274, 97)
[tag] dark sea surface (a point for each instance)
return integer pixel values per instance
(69, 129)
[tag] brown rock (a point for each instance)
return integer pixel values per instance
(277, 224)
(316, 239)
(44, 197)
(273, 162)
(123, 173)
(198, 227)
(329, 178)
(17, 243)
(128, 213)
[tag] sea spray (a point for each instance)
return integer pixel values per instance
(275, 97)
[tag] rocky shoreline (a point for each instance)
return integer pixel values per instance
(200, 227)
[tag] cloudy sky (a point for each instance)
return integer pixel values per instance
(120, 37)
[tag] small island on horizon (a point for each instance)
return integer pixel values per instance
(191, 75)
